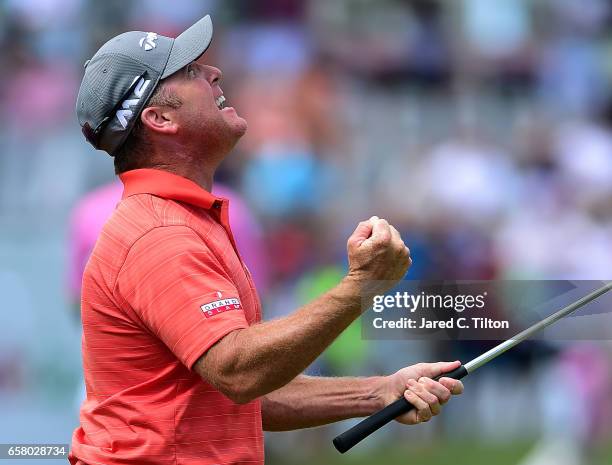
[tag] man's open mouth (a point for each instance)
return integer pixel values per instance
(220, 102)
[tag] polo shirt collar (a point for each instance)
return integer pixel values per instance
(166, 185)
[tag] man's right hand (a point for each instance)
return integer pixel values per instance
(376, 252)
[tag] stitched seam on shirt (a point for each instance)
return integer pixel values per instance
(212, 252)
(115, 284)
(138, 239)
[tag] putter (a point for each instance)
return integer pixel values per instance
(363, 429)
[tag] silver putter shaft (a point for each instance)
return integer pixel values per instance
(369, 425)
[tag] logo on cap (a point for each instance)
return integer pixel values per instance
(125, 114)
(148, 41)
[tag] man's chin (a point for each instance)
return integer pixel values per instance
(239, 126)
(234, 132)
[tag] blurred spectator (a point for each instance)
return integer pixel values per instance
(469, 178)
(86, 222)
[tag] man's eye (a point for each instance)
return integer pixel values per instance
(191, 72)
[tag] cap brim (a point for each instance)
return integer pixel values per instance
(189, 46)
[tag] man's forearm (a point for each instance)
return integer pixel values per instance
(252, 362)
(314, 401)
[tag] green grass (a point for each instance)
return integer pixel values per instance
(447, 453)
(602, 455)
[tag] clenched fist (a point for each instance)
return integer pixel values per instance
(376, 252)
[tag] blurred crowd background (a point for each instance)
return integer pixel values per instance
(481, 128)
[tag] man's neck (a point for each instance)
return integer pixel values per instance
(200, 170)
(202, 177)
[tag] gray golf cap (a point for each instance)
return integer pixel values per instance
(121, 77)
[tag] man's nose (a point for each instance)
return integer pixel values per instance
(216, 76)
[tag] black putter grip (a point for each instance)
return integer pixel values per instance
(367, 426)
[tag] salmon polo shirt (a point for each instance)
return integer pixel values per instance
(163, 284)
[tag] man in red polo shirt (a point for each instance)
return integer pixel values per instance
(178, 366)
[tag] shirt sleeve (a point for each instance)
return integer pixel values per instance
(180, 291)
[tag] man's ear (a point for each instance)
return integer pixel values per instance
(159, 120)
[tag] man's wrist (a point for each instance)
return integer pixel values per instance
(348, 293)
(378, 392)
(360, 291)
